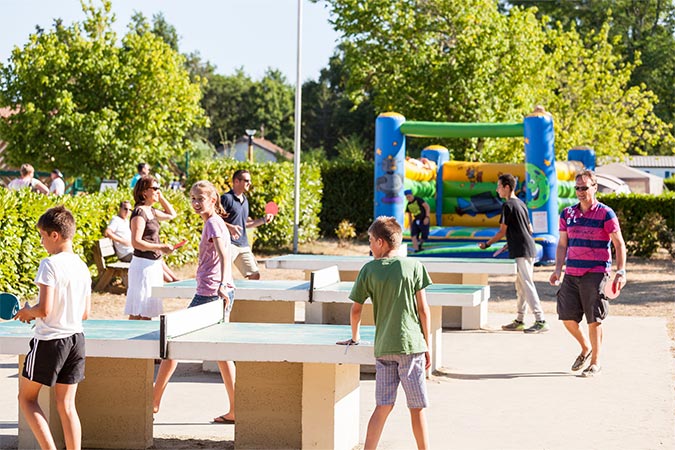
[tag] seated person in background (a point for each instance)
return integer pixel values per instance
(26, 181)
(57, 186)
(119, 232)
(418, 213)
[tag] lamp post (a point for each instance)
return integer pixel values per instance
(250, 133)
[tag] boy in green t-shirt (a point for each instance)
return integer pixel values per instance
(395, 286)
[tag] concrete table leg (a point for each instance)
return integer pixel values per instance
(297, 405)
(114, 403)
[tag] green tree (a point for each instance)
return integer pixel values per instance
(646, 29)
(593, 102)
(464, 61)
(93, 107)
(224, 99)
(269, 108)
(328, 114)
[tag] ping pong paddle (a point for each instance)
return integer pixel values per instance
(607, 288)
(180, 244)
(9, 306)
(271, 208)
(500, 251)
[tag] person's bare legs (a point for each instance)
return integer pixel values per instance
(228, 373)
(419, 427)
(376, 425)
(166, 368)
(595, 334)
(70, 421)
(28, 403)
(169, 275)
(574, 329)
(414, 243)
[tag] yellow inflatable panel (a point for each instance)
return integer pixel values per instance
(466, 220)
(420, 169)
(567, 170)
(479, 172)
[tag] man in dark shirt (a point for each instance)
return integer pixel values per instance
(235, 204)
(515, 225)
(418, 214)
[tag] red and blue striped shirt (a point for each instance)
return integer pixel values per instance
(588, 238)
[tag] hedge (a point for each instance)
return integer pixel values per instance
(347, 194)
(20, 210)
(670, 184)
(647, 221)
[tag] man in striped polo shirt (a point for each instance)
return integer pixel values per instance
(586, 230)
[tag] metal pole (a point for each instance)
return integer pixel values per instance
(297, 137)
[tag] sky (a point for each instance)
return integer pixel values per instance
(251, 34)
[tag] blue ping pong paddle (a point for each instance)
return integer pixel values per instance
(9, 306)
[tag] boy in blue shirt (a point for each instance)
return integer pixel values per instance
(396, 286)
(56, 355)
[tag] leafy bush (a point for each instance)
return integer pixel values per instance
(22, 251)
(647, 221)
(347, 195)
(670, 183)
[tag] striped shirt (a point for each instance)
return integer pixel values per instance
(588, 238)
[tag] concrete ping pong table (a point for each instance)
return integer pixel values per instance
(295, 387)
(471, 271)
(274, 301)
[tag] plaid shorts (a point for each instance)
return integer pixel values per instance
(408, 370)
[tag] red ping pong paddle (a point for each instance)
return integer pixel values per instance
(271, 208)
(9, 306)
(180, 244)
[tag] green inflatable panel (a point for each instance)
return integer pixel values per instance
(462, 130)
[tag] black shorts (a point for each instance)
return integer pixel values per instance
(417, 228)
(55, 361)
(579, 296)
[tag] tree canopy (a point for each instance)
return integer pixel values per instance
(93, 106)
(465, 61)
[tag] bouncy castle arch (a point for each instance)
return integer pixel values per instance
(391, 130)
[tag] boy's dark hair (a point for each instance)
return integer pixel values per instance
(140, 167)
(58, 219)
(144, 183)
(506, 179)
(387, 229)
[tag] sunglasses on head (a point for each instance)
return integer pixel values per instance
(582, 188)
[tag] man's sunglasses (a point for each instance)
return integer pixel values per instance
(155, 188)
(582, 188)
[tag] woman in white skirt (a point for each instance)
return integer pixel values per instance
(145, 270)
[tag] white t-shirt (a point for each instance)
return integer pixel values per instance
(71, 281)
(57, 187)
(122, 230)
(21, 183)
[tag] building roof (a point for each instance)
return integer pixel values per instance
(269, 146)
(651, 161)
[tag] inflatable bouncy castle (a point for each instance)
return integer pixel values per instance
(465, 207)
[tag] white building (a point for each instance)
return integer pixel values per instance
(662, 166)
